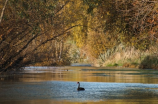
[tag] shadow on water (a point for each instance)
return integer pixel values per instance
(58, 85)
(150, 62)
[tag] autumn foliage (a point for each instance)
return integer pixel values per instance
(41, 32)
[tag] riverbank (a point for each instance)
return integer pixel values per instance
(133, 58)
(128, 57)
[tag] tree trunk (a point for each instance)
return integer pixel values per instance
(3, 10)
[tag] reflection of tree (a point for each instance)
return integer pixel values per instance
(140, 93)
(150, 62)
(85, 74)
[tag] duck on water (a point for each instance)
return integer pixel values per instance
(80, 88)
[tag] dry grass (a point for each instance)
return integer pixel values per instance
(130, 57)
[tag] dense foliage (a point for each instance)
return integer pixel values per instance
(41, 31)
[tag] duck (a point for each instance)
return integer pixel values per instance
(80, 88)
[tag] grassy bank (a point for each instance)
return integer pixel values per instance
(133, 58)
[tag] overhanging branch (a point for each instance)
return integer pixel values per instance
(44, 42)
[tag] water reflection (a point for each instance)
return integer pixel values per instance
(84, 74)
(95, 91)
(58, 85)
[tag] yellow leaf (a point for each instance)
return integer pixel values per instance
(107, 13)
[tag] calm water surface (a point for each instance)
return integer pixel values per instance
(58, 85)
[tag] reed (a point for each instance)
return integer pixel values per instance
(131, 57)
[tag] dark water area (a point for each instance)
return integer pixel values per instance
(58, 85)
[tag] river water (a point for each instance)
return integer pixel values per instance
(58, 85)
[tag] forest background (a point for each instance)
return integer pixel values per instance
(61, 32)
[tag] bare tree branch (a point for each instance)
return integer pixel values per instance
(3, 11)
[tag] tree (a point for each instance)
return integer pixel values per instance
(135, 21)
(28, 28)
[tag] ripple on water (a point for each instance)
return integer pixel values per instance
(94, 91)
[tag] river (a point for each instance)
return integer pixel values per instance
(58, 85)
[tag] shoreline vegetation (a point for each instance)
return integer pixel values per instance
(60, 32)
(127, 58)
(133, 58)
(121, 57)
